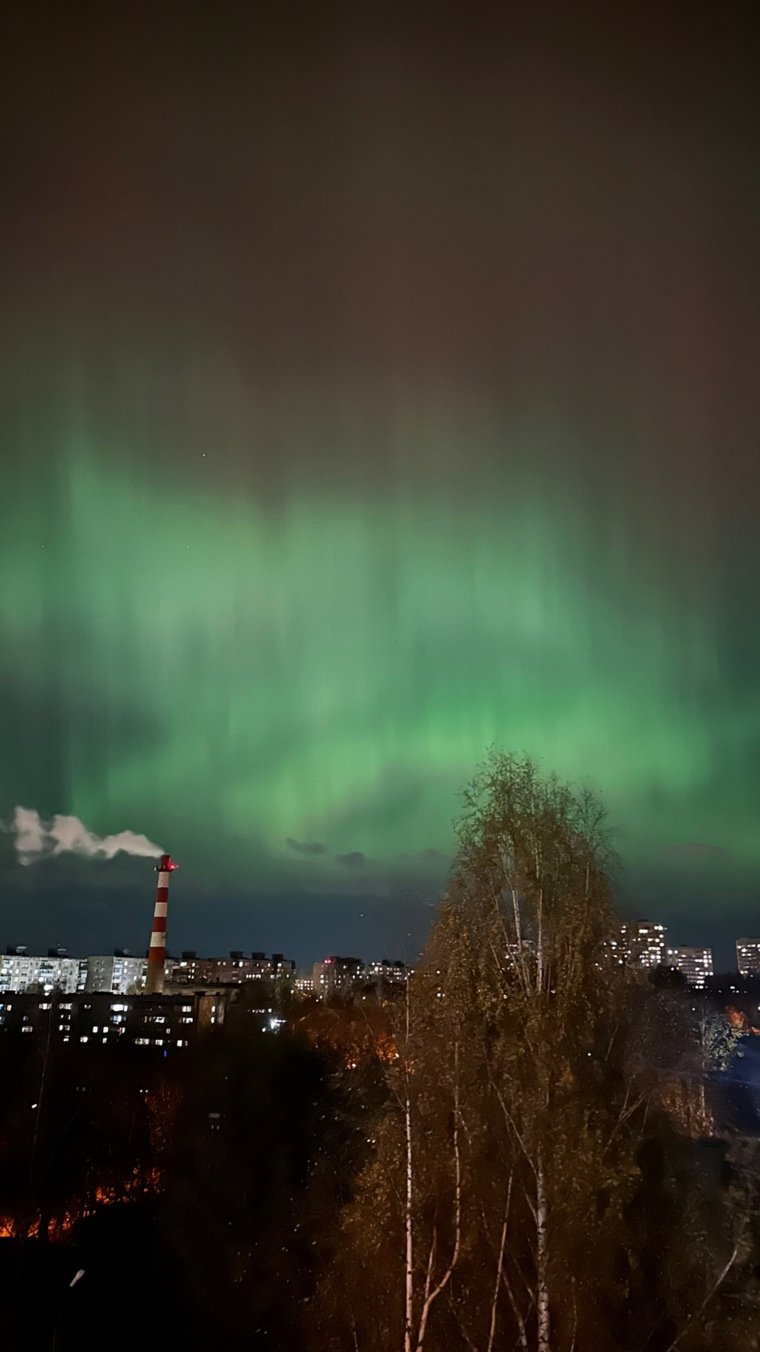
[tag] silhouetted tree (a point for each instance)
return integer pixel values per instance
(263, 1149)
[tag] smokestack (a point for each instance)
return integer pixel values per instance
(154, 983)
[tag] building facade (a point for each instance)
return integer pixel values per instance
(641, 941)
(393, 972)
(695, 963)
(164, 1022)
(20, 970)
(748, 957)
(337, 976)
(121, 974)
(238, 969)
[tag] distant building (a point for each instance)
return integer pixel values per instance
(748, 956)
(695, 963)
(237, 969)
(166, 1022)
(337, 976)
(395, 972)
(642, 942)
(20, 971)
(121, 974)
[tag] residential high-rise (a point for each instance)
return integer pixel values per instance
(695, 963)
(748, 956)
(642, 942)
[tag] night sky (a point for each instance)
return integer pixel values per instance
(378, 383)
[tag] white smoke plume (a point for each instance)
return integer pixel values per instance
(36, 839)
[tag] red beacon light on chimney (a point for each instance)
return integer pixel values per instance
(166, 864)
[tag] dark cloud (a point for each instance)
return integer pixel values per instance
(355, 859)
(306, 846)
(428, 856)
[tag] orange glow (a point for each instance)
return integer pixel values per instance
(142, 1183)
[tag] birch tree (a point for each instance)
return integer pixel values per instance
(494, 1212)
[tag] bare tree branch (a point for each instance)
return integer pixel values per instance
(712, 1292)
(499, 1267)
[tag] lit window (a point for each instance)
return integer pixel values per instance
(27, 1029)
(84, 1038)
(142, 1042)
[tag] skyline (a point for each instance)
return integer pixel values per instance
(371, 399)
(746, 950)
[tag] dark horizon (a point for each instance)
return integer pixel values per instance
(369, 926)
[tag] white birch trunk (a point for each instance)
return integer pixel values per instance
(409, 1254)
(540, 941)
(543, 1341)
(517, 918)
(432, 1295)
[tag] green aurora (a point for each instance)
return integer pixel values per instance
(378, 385)
(231, 674)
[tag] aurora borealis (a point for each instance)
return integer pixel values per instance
(377, 391)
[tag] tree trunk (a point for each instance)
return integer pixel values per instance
(543, 1342)
(409, 1256)
(540, 941)
(432, 1296)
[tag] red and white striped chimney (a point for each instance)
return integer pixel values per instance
(154, 982)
